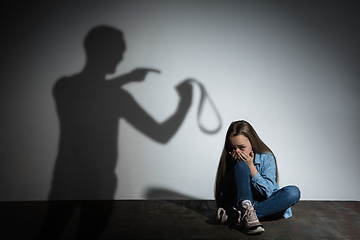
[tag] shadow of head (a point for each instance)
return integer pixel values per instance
(104, 47)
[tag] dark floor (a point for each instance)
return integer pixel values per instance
(187, 219)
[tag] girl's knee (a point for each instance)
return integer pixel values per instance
(293, 193)
(241, 166)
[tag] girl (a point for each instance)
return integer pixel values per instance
(246, 189)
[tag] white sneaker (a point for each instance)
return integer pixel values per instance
(249, 220)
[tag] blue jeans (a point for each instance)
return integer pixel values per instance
(274, 206)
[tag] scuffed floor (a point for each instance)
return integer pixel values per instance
(187, 219)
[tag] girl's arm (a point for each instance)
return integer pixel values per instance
(249, 160)
(265, 180)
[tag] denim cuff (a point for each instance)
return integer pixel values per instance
(256, 177)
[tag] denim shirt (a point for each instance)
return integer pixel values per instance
(264, 180)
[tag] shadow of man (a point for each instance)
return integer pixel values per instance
(89, 108)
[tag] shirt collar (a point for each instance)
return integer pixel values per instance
(257, 159)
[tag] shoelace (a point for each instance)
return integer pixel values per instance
(250, 213)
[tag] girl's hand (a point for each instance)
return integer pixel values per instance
(248, 159)
(235, 155)
(239, 155)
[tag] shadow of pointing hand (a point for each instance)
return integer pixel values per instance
(136, 75)
(139, 74)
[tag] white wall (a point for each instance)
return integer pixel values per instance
(290, 69)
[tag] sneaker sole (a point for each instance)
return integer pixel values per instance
(258, 230)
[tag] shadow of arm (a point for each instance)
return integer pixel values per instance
(160, 132)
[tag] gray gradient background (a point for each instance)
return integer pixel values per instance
(290, 69)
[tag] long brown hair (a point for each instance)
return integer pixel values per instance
(258, 146)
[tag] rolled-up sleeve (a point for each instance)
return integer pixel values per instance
(265, 180)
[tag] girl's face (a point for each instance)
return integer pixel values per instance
(240, 143)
